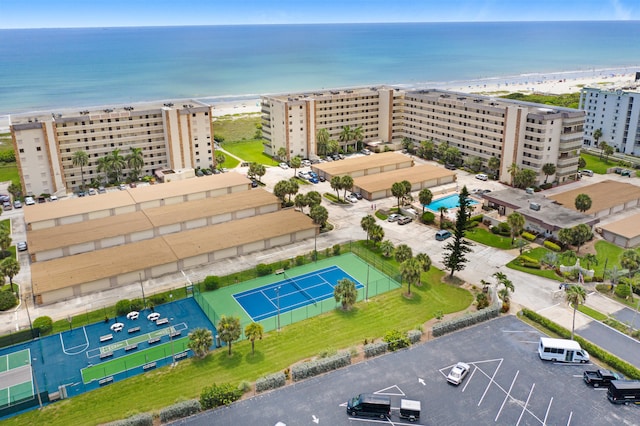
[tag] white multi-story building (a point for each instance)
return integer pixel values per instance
(529, 135)
(616, 112)
(170, 136)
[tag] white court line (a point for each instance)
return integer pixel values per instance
(569, 420)
(544, 422)
(84, 346)
(507, 395)
(526, 403)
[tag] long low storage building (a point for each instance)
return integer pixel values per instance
(624, 232)
(363, 166)
(607, 197)
(377, 186)
(130, 200)
(68, 277)
(81, 237)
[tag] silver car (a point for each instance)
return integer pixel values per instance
(393, 217)
(458, 373)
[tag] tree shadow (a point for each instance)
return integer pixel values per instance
(254, 358)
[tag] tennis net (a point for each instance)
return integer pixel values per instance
(295, 284)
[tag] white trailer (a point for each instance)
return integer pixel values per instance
(561, 350)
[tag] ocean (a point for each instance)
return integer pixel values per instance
(45, 69)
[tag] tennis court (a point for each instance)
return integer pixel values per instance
(292, 292)
(16, 384)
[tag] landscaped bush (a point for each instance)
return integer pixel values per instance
(336, 250)
(546, 185)
(299, 260)
(471, 319)
(609, 359)
(375, 349)
(622, 291)
(552, 246)
(211, 282)
(123, 307)
(414, 336)
(319, 366)
(476, 218)
(482, 301)
(137, 305)
(428, 218)
(217, 395)
(272, 381)
(44, 324)
(143, 419)
(396, 340)
(528, 236)
(263, 269)
(528, 262)
(7, 300)
(158, 299)
(180, 410)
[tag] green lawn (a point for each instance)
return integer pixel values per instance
(277, 351)
(488, 238)
(251, 151)
(230, 162)
(596, 164)
(536, 253)
(9, 172)
(569, 100)
(236, 128)
(598, 316)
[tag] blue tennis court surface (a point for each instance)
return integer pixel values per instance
(292, 293)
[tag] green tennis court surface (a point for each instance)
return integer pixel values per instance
(15, 377)
(134, 360)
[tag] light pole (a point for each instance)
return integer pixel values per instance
(26, 305)
(366, 289)
(144, 301)
(278, 303)
(35, 381)
(173, 358)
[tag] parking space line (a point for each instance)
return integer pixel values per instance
(544, 422)
(524, 408)
(490, 381)
(569, 420)
(507, 395)
(470, 377)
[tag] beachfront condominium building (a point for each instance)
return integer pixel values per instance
(526, 134)
(170, 136)
(616, 112)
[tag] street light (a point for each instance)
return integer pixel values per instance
(35, 381)
(278, 303)
(144, 301)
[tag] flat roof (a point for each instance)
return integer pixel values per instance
(604, 195)
(550, 213)
(188, 186)
(131, 196)
(128, 223)
(383, 181)
(629, 227)
(349, 165)
(82, 268)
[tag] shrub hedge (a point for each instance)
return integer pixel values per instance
(465, 321)
(45, 324)
(263, 269)
(217, 395)
(123, 307)
(428, 218)
(143, 419)
(211, 282)
(375, 349)
(552, 246)
(180, 410)
(396, 340)
(271, 381)
(612, 361)
(7, 300)
(319, 366)
(528, 236)
(414, 336)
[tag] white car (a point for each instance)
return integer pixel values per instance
(458, 373)
(352, 198)
(393, 217)
(482, 176)
(29, 201)
(283, 166)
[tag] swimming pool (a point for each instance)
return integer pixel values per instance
(450, 202)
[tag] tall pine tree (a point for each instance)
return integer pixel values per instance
(454, 257)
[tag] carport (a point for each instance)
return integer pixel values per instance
(377, 186)
(363, 166)
(624, 233)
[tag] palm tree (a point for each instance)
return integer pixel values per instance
(507, 284)
(548, 169)
(253, 331)
(200, 340)
(296, 162)
(366, 223)
(336, 185)
(319, 215)
(10, 268)
(5, 242)
(345, 293)
(630, 260)
(300, 201)
(403, 252)
(135, 161)
(398, 191)
(358, 136)
(597, 134)
(386, 248)
(80, 159)
(513, 171)
(590, 259)
(116, 163)
(608, 150)
(103, 166)
(494, 165)
(346, 182)
(410, 270)
(346, 135)
(282, 153)
(575, 296)
(424, 260)
(602, 145)
(516, 223)
(425, 197)
(322, 142)
(583, 202)
(229, 329)
(220, 159)
(376, 233)
(442, 210)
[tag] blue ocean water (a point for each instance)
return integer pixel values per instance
(42, 69)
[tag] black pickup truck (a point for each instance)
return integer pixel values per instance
(598, 378)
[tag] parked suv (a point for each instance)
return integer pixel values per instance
(442, 235)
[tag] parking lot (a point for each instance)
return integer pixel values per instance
(508, 385)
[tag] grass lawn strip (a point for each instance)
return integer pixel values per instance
(111, 347)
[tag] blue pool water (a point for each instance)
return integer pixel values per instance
(450, 202)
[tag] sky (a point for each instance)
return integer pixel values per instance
(117, 13)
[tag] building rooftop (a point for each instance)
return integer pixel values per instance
(350, 165)
(629, 227)
(330, 93)
(384, 181)
(604, 195)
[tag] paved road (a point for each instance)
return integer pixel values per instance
(613, 341)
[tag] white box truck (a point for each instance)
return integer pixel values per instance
(561, 350)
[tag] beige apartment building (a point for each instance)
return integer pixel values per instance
(171, 137)
(529, 135)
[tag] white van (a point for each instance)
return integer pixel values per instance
(561, 350)
(586, 172)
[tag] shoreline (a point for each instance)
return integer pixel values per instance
(552, 83)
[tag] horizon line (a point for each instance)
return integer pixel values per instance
(319, 23)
